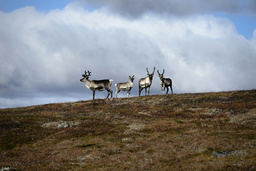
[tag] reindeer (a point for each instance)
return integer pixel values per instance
(97, 85)
(125, 86)
(164, 82)
(146, 82)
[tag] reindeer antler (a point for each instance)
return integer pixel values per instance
(159, 72)
(85, 74)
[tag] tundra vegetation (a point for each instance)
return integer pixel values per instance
(203, 131)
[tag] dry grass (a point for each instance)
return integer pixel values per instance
(205, 131)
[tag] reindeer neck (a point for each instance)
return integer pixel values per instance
(130, 82)
(87, 82)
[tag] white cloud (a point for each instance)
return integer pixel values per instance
(43, 55)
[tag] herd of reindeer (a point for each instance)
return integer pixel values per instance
(144, 83)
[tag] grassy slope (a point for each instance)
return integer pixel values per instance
(182, 132)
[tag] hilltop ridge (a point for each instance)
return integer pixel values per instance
(198, 131)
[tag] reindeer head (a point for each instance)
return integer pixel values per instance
(86, 76)
(131, 78)
(161, 76)
(152, 74)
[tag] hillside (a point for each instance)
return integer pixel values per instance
(204, 131)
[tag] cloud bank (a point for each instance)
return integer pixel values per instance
(43, 55)
(134, 8)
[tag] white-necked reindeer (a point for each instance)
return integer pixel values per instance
(165, 83)
(97, 85)
(125, 86)
(146, 82)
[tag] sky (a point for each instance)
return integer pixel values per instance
(45, 46)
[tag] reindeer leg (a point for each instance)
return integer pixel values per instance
(145, 91)
(111, 94)
(93, 94)
(108, 95)
(109, 91)
(148, 90)
(167, 90)
(117, 92)
(171, 89)
(140, 90)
